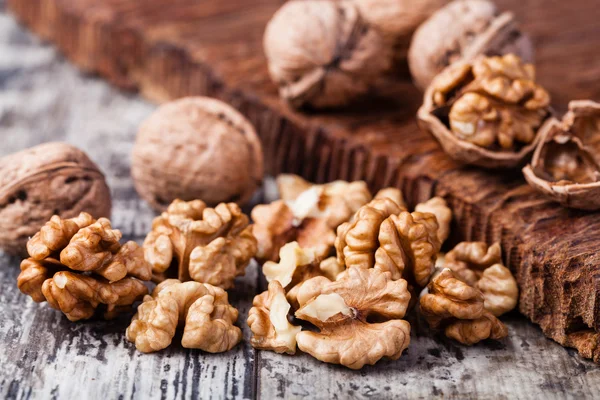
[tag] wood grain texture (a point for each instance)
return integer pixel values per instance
(43, 355)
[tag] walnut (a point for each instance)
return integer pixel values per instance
(323, 53)
(463, 30)
(343, 312)
(438, 207)
(208, 245)
(202, 309)
(393, 194)
(458, 308)
(386, 237)
(565, 166)
(77, 264)
(52, 178)
(487, 112)
(196, 148)
(481, 266)
(268, 321)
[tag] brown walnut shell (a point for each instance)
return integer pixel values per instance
(454, 84)
(323, 54)
(46, 180)
(196, 148)
(564, 166)
(463, 30)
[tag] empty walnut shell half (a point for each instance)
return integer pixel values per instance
(46, 180)
(463, 30)
(564, 166)
(487, 112)
(323, 54)
(196, 148)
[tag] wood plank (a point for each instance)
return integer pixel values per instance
(44, 356)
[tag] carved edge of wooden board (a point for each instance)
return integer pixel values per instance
(557, 282)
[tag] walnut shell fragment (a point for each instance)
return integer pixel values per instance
(78, 264)
(268, 321)
(196, 242)
(463, 30)
(343, 310)
(196, 148)
(202, 309)
(386, 237)
(481, 266)
(487, 112)
(323, 53)
(457, 308)
(565, 166)
(45, 180)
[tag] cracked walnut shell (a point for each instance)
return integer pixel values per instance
(487, 112)
(78, 264)
(565, 167)
(453, 305)
(196, 148)
(386, 237)
(323, 54)
(268, 321)
(45, 180)
(463, 30)
(196, 242)
(481, 266)
(358, 317)
(202, 309)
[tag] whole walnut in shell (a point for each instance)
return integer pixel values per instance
(323, 53)
(463, 30)
(565, 165)
(486, 112)
(79, 266)
(359, 317)
(196, 242)
(46, 180)
(196, 148)
(202, 309)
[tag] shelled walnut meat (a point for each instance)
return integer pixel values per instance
(458, 308)
(307, 213)
(196, 148)
(323, 53)
(463, 30)
(386, 237)
(195, 242)
(49, 179)
(565, 166)
(487, 112)
(358, 316)
(78, 265)
(201, 309)
(481, 266)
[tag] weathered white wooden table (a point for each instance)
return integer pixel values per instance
(43, 355)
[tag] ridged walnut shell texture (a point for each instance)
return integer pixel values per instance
(196, 148)
(463, 30)
(565, 166)
(322, 54)
(46, 180)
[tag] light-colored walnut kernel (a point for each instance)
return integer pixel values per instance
(438, 207)
(341, 310)
(386, 237)
(481, 266)
(202, 309)
(36, 183)
(453, 305)
(78, 264)
(208, 245)
(268, 321)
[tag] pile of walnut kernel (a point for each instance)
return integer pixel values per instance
(349, 295)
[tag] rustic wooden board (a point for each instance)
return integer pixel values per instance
(42, 355)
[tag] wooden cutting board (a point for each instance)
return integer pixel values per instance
(174, 48)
